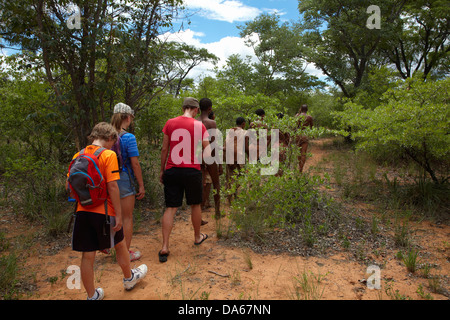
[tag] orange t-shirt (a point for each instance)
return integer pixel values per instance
(110, 171)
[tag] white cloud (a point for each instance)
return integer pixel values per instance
(314, 71)
(187, 36)
(228, 10)
(223, 48)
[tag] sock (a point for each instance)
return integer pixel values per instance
(131, 278)
(95, 296)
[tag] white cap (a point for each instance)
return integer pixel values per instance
(123, 108)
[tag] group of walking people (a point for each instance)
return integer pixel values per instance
(183, 172)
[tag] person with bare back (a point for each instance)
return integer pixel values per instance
(302, 140)
(255, 126)
(238, 140)
(213, 169)
(283, 145)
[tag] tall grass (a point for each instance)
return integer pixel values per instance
(35, 189)
(8, 276)
(398, 186)
(309, 286)
(411, 260)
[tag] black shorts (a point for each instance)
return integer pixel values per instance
(180, 181)
(92, 233)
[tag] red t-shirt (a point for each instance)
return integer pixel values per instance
(185, 136)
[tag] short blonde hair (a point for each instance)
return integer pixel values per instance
(103, 131)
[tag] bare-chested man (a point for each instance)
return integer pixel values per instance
(257, 125)
(304, 121)
(283, 145)
(239, 141)
(214, 169)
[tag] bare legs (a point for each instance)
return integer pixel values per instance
(167, 225)
(302, 157)
(127, 204)
(213, 170)
(87, 266)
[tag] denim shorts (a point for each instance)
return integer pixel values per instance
(126, 186)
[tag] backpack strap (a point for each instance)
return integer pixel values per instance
(99, 151)
(121, 134)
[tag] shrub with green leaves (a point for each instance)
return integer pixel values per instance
(413, 118)
(287, 200)
(292, 201)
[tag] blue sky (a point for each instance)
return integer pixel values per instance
(214, 27)
(217, 19)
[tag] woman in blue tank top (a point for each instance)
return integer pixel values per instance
(131, 171)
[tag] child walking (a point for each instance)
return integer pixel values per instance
(91, 233)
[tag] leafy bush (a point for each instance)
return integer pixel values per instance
(266, 203)
(414, 118)
(36, 190)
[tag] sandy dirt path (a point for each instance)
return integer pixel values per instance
(217, 272)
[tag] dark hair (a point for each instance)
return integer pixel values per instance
(280, 115)
(205, 104)
(240, 121)
(260, 112)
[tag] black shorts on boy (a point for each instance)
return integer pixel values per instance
(182, 181)
(92, 233)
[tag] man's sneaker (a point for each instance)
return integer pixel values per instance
(136, 275)
(134, 255)
(98, 295)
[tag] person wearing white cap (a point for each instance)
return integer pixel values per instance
(131, 170)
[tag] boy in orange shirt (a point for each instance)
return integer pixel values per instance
(91, 232)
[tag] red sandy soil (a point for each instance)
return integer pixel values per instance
(215, 271)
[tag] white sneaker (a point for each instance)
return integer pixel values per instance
(134, 255)
(137, 275)
(98, 295)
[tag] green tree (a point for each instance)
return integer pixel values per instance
(114, 53)
(421, 39)
(336, 38)
(28, 117)
(179, 59)
(414, 118)
(280, 68)
(238, 75)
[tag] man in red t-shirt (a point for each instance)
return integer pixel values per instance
(185, 138)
